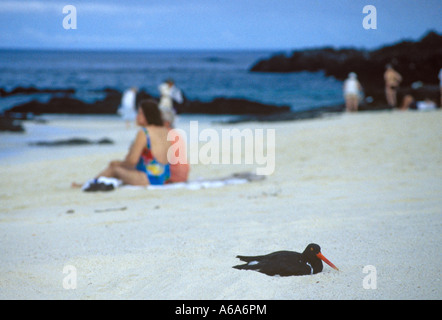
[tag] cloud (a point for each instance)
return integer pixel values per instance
(29, 6)
(21, 7)
(69, 38)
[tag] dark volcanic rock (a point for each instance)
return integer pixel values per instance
(10, 124)
(230, 106)
(71, 142)
(289, 115)
(108, 105)
(415, 61)
(314, 60)
(418, 61)
(33, 90)
(55, 105)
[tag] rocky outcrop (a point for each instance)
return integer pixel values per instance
(230, 106)
(110, 104)
(10, 124)
(71, 142)
(33, 90)
(288, 116)
(68, 105)
(415, 61)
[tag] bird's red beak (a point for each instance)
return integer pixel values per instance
(320, 256)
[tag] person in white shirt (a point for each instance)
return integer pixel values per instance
(352, 92)
(127, 108)
(169, 93)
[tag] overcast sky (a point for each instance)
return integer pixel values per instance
(210, 24)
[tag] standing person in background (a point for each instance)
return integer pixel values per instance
(169, 93)
(392, 80)
(352, 92)
(127, 108)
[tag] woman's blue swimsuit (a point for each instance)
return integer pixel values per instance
(157, 173)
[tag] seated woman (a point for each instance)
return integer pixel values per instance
(146, 162)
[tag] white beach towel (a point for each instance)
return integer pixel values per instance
(194, 185)
(234, 179)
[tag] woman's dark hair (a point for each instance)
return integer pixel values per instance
(151, 112)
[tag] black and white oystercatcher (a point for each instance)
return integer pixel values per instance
(287, 263)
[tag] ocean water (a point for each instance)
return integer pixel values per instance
(201, 75)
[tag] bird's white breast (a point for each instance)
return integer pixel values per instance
(311, 269)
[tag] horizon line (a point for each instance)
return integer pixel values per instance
(287, 49)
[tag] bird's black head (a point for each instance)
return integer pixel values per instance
(313, 255)
(312, 250)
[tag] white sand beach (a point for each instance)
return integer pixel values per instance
(366, 187)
